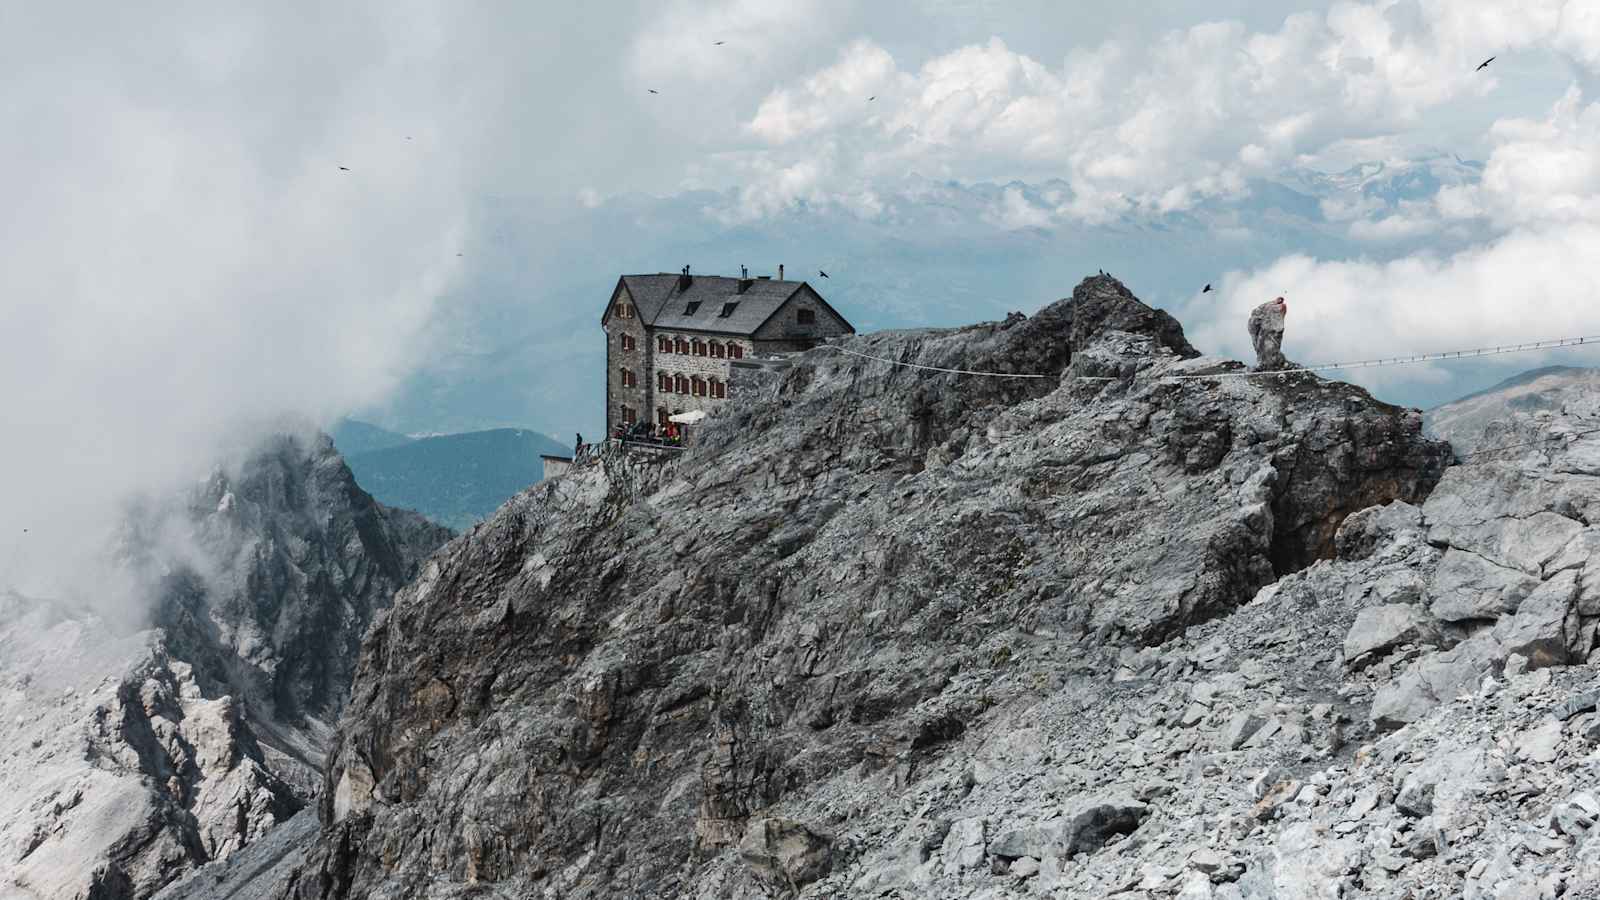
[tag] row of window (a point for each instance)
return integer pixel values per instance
(697, 347)
(693, 385)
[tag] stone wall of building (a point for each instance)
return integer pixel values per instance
(637, 361)
(784, 332)
(689, 366)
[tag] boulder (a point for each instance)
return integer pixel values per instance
(786, 852)
(1088, 823)
(1467, 586)
(1381, 627)
(963, 845)
(1434, 679)
(1545, 625)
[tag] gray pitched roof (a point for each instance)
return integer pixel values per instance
(662, 305)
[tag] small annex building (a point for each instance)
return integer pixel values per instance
(671, 340)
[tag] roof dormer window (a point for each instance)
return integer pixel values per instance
(692, 308)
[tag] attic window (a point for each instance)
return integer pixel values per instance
(691, 308)
(727, 309)
(624, 311)
(807, 316)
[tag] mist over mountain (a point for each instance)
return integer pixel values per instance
(138, 747)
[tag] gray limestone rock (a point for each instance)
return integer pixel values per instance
(1576, 704)
(1087, 824)
(1468, 586)
(1545, 625)
(786, 852)
(1434, 679)
(1381, 627)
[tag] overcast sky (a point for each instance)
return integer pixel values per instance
(219, 213)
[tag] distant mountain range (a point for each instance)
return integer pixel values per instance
(454, 479)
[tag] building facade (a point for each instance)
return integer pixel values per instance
(671, 340)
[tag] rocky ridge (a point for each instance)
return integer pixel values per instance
(131, 756)
(886, 633)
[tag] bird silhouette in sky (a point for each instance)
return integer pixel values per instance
(718, 43)
(822, 273)
(1484, 65)
(344, 168)
(1206, 289)
(652, 90)
(872, 98)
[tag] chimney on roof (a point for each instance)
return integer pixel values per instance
(780, 271)
(744, 279)
(685, 279)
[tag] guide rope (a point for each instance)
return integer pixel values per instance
(1473, 353)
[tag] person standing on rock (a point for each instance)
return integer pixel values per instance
(1266, 333)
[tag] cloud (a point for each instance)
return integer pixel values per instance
(1531, 285)
(1160, 127)
(1545, 170)
(186, 257)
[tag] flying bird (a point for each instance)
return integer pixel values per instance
(718, 43)
(1206, 289)
(652, 90)
(1483, 65)
(872, 98)
(822, 273)
(344, 168)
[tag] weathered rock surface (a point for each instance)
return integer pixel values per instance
(129, 756)
(841, 604)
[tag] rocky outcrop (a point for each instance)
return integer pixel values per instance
(912, 612)
(132, 756)
(1472, 422)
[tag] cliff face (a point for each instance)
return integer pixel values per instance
(788, 660)
(131, 757)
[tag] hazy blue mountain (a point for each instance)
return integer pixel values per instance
(455, 479)
(352, 437)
